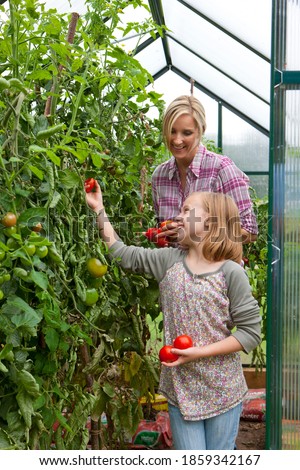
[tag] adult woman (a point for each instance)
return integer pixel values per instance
(193, 168)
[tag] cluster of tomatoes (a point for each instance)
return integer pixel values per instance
(152, 233)
(96, 270)
(181, 342)
(30, 246)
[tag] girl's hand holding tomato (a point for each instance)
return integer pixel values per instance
(89, 185)
(94, 198)
(184, 356)
(169, 230)
(173, 355)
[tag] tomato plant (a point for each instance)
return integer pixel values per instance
(183, 342)
(91, 345)
(166, 355)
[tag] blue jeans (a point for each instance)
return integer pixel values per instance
(217, 433)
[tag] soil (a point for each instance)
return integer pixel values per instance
(251, 436)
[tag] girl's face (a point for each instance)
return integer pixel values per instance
(192, 217)
(184, 138)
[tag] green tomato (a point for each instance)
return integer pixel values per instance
(6, 277)
(41, 251)
(9, 231)
(30, 249)
(1, 279)
(95, 267)
(2, 254)
(11, 243)
(91, 297)
(1, 294)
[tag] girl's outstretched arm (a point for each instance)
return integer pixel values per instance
(95, 202)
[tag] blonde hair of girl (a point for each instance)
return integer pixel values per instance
(223, 238)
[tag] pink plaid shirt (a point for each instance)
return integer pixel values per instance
(207, 172)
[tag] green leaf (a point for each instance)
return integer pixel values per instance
(21, 313)
(5, 441)
(53, 157)
(5, 351)
(99, 405)
(37, 172)
(39, 74)
(37, 149)
(81, 158)
(40, 279)
(109, 390)
(97, 132)
(97, 159)
(52, 339)
(69, 178)
(3, 368)
(135, 363)
(60, 49)
(25, 403)
(55, 199)
(29, 383)
(28, 216)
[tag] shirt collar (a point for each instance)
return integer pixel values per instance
(194, 166)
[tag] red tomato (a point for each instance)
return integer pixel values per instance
(183, 342)
(162, 242)
(165, 354)
(89, 185)
(151, 234)
(9, 220)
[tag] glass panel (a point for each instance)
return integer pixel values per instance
(249, 21)
(171, 86)
(291, 315)
(152, 58)
(293, 38)
(220, 85)
(219, 49)
(244, 144)
(260, 184)
(66, 6)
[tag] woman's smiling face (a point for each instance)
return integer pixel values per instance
(184, 138)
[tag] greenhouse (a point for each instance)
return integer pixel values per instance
(83, 89)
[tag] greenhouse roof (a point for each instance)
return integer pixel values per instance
(220, 48)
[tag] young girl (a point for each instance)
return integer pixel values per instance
(205, 294)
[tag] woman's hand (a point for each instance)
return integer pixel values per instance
(94, 198)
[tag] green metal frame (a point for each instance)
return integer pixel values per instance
(281, 81)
